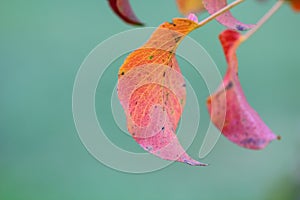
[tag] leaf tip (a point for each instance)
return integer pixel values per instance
(193, 17)
(295, 5)
(195, 163)
(278, 137)
(124, 11)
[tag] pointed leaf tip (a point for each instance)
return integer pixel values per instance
(193, 17)
(123, 9)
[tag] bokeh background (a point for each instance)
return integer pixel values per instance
(42, 45)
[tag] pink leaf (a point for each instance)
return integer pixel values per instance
(123, 9)
(152, 92)
(193, 18)
(228, 107)
(225, 19)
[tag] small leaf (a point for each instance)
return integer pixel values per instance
(123, 9)
(228, 107)
(193, 18)
(295, 5)
(226, 18)
(152, 92)
(189, 6)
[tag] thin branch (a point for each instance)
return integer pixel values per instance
(264, 19)
(220, 12)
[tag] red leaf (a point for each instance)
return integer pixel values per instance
(228, 107)
(225, 19)
(123, 9)
(295, 5)
(152, 92)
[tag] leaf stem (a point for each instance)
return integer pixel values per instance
(263, 20)
(220, 12)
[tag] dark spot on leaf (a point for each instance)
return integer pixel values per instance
(171, 23)
(177, 39)
(240, 28)
(229, 86)
(248, 140)
(149, 148)
(256, 142)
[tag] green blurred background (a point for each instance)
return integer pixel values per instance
(42, 45)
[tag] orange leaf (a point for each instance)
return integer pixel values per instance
(228, 106)
(152, 92)
(189, 6)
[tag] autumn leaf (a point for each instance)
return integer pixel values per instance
(123, 9)
(226, 18)
(186, 7)
(152, 92)
(295, 5)
(228, 107)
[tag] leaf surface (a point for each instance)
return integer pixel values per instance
(228, 106)
(152, 92)
(226, 18)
